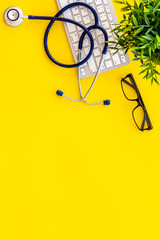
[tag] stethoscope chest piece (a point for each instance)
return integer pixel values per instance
(13, 16)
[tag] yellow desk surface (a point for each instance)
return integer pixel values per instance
(70, 171)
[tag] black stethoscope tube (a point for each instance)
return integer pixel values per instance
(86, 31)
(53, 19)
(58, 17)
(104, 33)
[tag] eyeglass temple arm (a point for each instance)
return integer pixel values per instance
(123, 79)
(146, 115)
(130, 76)
(143, 123)
(147, 119)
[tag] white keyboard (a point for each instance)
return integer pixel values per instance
(107, 19)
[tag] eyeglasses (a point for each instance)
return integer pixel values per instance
(139, 113)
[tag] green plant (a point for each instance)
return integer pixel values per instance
(140, 31)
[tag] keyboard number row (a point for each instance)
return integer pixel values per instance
(97, 2)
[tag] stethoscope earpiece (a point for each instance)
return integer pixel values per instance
(13, 16)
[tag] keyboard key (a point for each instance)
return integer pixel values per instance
(79, 29)
(92, 65)
(74, 37)
(110, 17)
(86, 20)
(92, 5)
(86, 50)
(113, 51)
(75, 47)
(111, 39)
(83, 72)
(95, 44)
(96, 52)
(88, 25)
(105, 25)
(68, 14)
(84, 65)
(97, 2)
(71, 27)
(116, 59)
(105, 1)
(80, 33)
(84, 12)
(80, 7)
(100, 9)
(120, 52)
(98, 59)
(75, 10)
(92, 17)
(82, 54)
(103, 17)
(109, 34)
(98, 32)
(77, 18)
(109, 64)
(101, 47)
(89, 1)
(102, 66)
(107, 56)
(86, 42)
(64, 3)
(123, 59)
(107, 9)
(101, 39)
(93, 35)
(112, 25)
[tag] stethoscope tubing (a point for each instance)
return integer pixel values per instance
(104, 33)
(91, 86)
(58, 18)
(86, 31)
(53, 19)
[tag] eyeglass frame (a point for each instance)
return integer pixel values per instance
(139, 100)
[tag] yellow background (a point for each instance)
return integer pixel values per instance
(70, 171)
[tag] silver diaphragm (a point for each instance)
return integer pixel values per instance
(13, 16)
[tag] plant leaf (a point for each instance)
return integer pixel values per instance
(134, 20)
(138, 30)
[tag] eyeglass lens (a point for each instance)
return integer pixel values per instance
(128, 89)
(139, 117)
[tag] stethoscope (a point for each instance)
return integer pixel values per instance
(14, 16)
